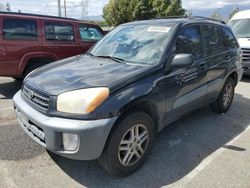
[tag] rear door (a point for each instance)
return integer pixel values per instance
(187, 86)
(60, 39)
(89, 35)
(221, 51)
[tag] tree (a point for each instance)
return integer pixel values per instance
(121, 11)
(160, 7)
(8, 7)
(143, 10)
(234, 11)
(175, 9)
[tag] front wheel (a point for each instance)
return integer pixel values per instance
(129, 144)
(225, 98)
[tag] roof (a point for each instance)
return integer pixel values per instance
(175, 20)
(39, 16)
(241, 15)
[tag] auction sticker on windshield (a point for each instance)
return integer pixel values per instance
(159, 29)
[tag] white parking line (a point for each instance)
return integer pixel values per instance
(205, 162)
(6, 108)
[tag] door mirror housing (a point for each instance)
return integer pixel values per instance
(182, 60)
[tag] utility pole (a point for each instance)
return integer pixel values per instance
(59, 8)
(65, 9)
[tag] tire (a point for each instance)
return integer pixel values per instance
(123, 161)
(225, 98)
(18, 79)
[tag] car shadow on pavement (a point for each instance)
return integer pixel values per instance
(9, 88)
(178, 149)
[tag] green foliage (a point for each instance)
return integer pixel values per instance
(175, 8)
(102, 24)
(143, 10)
(121, 11)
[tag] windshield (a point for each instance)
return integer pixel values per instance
(141, 44)
(241, 28)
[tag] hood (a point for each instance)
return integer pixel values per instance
(80, 72)
(244, 42)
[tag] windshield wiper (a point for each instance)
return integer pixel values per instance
(90, 54)
(117, 59)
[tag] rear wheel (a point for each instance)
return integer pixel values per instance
(225, 98)
(129, 144)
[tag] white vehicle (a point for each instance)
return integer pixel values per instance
(240, 24)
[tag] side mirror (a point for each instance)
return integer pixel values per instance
(182, 60)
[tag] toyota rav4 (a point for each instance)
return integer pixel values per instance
(109, 103)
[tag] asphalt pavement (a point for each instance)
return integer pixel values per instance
(202, 149)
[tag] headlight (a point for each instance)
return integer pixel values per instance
(82, 101)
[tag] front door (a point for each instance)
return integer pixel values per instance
(187, 87)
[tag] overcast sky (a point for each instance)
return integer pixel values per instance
(95, 6)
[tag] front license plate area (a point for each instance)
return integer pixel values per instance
(29, 126)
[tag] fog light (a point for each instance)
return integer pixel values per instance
(70, 141)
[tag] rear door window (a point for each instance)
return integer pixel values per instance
(228, 40)
(88, 33)
(59, 32)
(19, 29)
(212, 38)
(189, 42)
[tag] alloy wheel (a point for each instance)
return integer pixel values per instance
(133, 145)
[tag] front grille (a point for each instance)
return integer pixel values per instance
(245, 54)
(40, 100)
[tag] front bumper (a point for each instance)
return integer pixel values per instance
(47, 131)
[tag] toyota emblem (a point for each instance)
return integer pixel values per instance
(30, 94)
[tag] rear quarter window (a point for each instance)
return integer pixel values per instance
(88, 33)
(19, 29)
(228, 39)
(59, 32)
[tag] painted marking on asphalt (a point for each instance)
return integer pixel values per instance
(205, 162)
(6, 108)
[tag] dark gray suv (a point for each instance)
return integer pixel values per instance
(109, 103)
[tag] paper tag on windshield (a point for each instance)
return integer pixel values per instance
(159, 29)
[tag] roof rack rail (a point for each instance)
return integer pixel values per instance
(38, 15)
(190, 17)
(169, 17)
(206, 18)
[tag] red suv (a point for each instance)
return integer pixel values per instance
(28, 41)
